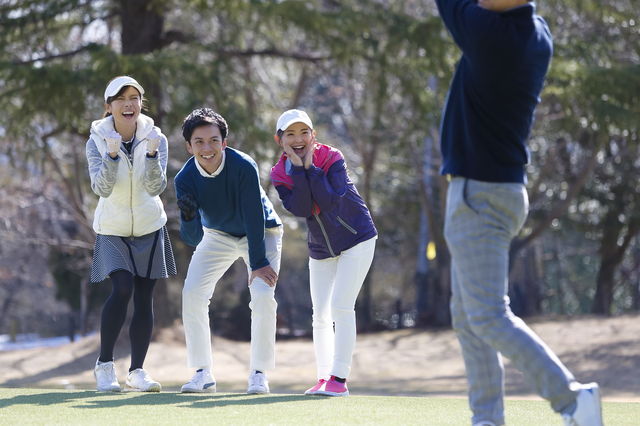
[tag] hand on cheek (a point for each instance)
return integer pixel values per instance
(308, 159)
(293, 157)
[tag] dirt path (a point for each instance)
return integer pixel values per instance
(404, 362)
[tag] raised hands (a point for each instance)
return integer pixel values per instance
(153, 141)
(293, 157)
(306, 160)
(114, 141)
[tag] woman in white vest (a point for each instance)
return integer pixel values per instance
(127, 157)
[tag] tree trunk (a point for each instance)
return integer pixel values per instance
(633, 277)
(524, 283)
(635, 291)
(440, 279)
(421, 278)
(442, 295)
(604, 286)
(364, 307)
(142, 32)
(142, 25)
(84, 298)
(611, 255)
(10, 290)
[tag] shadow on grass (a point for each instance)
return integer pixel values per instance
(43, 399)
(87, 361)
(75, 366)
(92, 399)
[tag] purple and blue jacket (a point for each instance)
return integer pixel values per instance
(337, 217)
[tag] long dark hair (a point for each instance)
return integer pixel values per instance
(110, 99)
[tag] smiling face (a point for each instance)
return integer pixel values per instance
(125, 108)
(298, 137)
(206, 145)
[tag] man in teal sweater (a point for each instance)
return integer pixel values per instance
(506, 50)
(225, 214)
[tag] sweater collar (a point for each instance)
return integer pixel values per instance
(204, 173)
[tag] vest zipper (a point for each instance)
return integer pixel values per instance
(131, 192)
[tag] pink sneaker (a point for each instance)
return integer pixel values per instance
(333, 388)
(314, 390)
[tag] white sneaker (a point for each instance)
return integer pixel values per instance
(202, 381)
(105, 375)
(138, 380)
(258, 383)
(588, 408)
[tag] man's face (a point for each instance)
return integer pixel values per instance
(500, 5)
(206, 145)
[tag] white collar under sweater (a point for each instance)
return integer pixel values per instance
(204, 173)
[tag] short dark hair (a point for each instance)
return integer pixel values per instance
(202, 117)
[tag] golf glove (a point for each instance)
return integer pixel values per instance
(153, 141)
(188, 206)
(114, 140)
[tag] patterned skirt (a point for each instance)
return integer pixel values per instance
(149, 256)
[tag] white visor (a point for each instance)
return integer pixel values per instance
(118, 83)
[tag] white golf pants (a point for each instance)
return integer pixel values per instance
(212, 258)
(335, 284)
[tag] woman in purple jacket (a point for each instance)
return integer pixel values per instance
(312, 182)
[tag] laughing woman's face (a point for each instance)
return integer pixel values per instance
(125, 108)
(297, 139)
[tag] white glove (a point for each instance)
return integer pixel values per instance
(153, 141)
(114, 140)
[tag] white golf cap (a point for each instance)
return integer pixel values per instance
(118, 83)
(293, 116)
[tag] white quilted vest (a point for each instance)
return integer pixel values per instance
(129, 211)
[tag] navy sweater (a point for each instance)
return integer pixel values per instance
(489, 109)
(232, 202)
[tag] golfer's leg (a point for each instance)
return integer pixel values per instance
(263, 304)
(353, 266)
(479, 234)
(485, 371)
(213, 256)
(322, 274)
(141, 326)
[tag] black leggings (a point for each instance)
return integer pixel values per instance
(114, 314)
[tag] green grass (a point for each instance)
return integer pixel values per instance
(19, 406)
